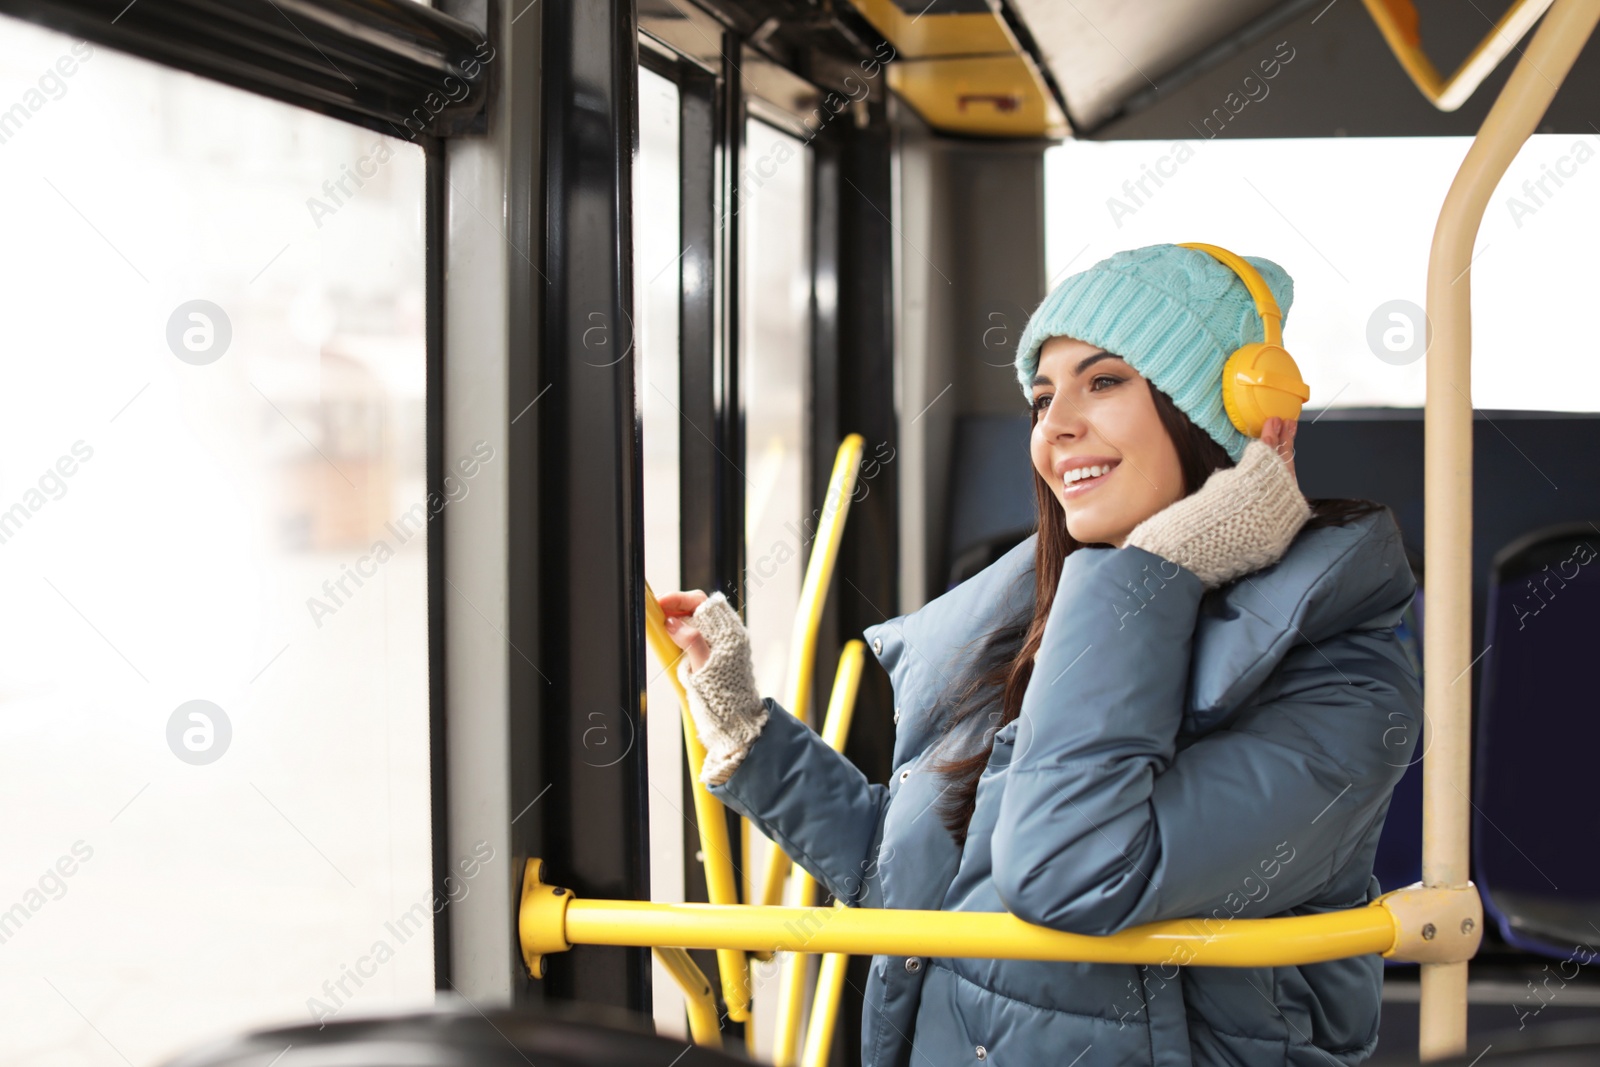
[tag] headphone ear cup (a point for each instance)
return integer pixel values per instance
(1231, 401)
(1259, 381)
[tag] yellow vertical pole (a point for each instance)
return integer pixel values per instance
(704, 1026)
(831, 975)
(808, 615)
(733, 967)
(1447, 653)
(825, 1009)
(802, 663)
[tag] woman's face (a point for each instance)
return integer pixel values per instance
(1095, 411)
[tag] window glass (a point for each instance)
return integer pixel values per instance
(213, 533)
(1356, 240)
(775, 361)
(656, 285)
(774, 365)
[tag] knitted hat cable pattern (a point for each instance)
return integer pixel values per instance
(1174, 314)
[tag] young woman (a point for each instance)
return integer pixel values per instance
(1181, 697)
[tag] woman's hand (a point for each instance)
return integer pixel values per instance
(719, 676)
(1244, 517)
(1280, 435)
(684, 634)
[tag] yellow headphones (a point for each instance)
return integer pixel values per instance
(1259, 380)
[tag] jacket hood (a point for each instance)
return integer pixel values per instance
(1332, 579)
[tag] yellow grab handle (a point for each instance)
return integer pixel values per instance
(709, 814)
(808, 615)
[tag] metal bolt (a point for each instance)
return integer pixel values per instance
(1467, 925)
(1428, 932)
(558, 891)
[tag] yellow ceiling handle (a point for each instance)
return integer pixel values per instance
(1401, 27)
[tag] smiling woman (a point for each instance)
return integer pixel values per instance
(1099, 443)
(1099, 799)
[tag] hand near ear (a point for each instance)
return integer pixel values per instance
(1280, 435)
(1242, 519)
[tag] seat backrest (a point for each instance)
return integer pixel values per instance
(1534, 830)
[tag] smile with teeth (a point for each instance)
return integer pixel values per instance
(1084, 478)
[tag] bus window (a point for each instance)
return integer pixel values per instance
(1356, 241)
(774, 365)
(657, 255)
(213, 549)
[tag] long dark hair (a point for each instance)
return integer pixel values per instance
(997, 676)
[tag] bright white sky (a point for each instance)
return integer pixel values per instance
(1351, 219)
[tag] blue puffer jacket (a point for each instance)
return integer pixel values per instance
(1179, 753)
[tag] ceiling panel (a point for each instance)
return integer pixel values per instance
(1102, 52)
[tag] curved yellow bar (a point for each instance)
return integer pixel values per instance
(1397, 20)
(830, 978)
(835, 728)
(819, 572)
(704, 1026)
(1281, 942)
(808, 616)
(825, 1008)
(709, 814)
(1447, 500)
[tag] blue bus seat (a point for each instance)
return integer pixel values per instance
(1534, 830)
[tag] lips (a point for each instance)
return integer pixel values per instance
(1077, 463)
(1084, 485)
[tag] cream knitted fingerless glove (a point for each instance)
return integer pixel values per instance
(1241, 520)
(727, 708)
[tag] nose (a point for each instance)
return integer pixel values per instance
(1062, 419)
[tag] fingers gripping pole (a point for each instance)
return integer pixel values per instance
(732, 965)
(808, 616)
(1446, 768)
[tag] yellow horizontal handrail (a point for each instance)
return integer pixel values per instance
(1427, 924)
(1398, 21)
(1280, 942)
(733, 967)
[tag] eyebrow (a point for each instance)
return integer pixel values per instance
(1083, 365)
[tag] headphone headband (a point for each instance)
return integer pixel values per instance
(1259, 380)
(1266, 304)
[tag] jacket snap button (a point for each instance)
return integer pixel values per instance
(982, 1053)
(897, 715)
(913, 964)
(877, 645)
(905, 774)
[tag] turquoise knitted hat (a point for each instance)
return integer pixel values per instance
(1174, 314)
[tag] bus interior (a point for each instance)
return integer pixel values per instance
(411, 346)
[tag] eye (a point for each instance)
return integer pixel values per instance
(1041, 401)
(1094, 384)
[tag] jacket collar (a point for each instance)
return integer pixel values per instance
(1332, 579)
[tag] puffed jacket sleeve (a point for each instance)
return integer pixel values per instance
(1104, 824)
(813, 802)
